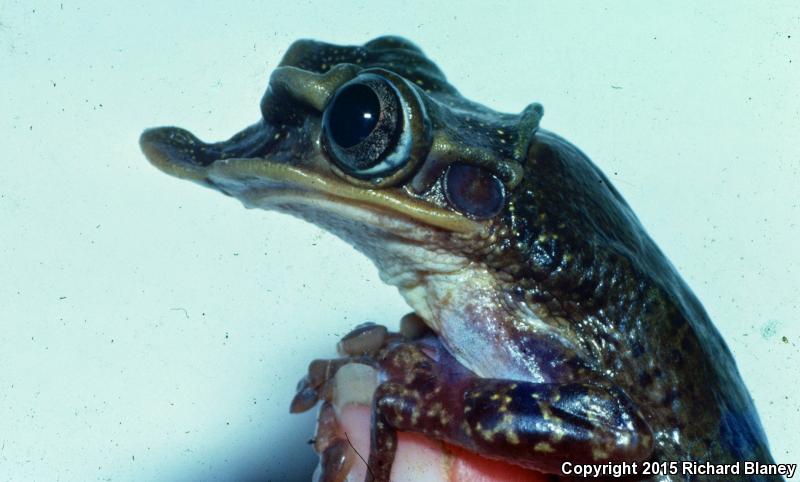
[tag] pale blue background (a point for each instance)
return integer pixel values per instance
(153, 330)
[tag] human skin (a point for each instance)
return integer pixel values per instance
(420, 459)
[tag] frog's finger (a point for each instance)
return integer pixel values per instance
(364, 339)
(342, 440)
(334, 463)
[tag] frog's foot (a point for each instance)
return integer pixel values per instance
(346, 386)
(415, 388)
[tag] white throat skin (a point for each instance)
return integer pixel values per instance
(471, 315)
(461, 300)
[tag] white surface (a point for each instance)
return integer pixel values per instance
(154, 330)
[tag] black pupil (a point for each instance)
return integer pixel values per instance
(353, 115)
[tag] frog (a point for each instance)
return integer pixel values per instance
(547, 329)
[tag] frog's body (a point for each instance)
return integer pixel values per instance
(512, 246)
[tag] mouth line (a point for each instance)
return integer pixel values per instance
(260, 182)
(314, 206)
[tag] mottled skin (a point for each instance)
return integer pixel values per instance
(574, 340)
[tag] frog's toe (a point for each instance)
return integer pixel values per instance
(347, 386)
(316, 384)
(306, 397)
(365, 339)
(368, 339)
(412, 327)
(359, 347)
(334, 463)
(335, 454)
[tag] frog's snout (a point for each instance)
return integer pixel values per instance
(176, 151)
(293, 95)
(176, 145)
(180, 153)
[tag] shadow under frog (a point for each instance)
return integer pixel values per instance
(563, 333)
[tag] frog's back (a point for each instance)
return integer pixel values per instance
(664, 349)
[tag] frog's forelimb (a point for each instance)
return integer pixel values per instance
(422, 388)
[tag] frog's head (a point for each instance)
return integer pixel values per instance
(373, 144)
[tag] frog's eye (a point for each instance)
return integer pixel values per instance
(364, 128)
(474, 191)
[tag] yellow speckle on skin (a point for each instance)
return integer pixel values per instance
(542, 238)
(495, 396)
(546, 413)
(543, 447)
(599, 454)
(512, 437)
